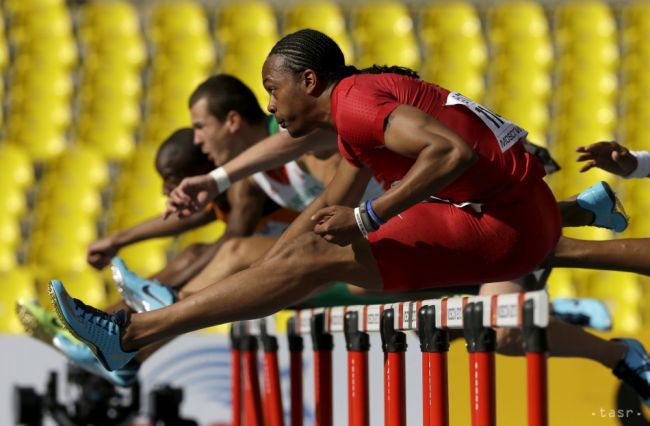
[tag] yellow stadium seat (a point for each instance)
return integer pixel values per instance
(15, 166)
(325, 16)
(173, 82)
(462, 53)
(584, 20)
(42, 143)
(534, 85)
(9, 232)
(15, 284)
(523, 54)
(62, 255)
(126, 53)
(627, 319)
(386, 19)
(60, 52)
(249, 18)
(465, 80)
(560, 284)
(122, 114)
(114, 143)
(102, 20)
(12, 201)
(85, 164)
(8, 260)
(71, 199)
(402, 51)
(173, 19)
(145, 258)
(592, 89)
(202, 55)
(249, 49)
(4, 54)
(36, 25)
(29, 86)
(54, 229)
(635, 20)
(589, 54)
(54, 113)
(448, 21)
(623, 294)
(111, 83)
(516, 19)
(532, 116)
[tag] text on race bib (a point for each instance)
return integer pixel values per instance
(506, 132)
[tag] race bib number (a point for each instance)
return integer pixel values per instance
(506, 132)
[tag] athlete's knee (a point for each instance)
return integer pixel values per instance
(307, 246)
(307, 253)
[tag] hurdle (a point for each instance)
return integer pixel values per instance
(476, 316)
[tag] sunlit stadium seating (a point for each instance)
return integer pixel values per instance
(385, 35)
(455, 53)
(245, 19)
(110, 78)
(325, 16)
(92, 88)
(43, 45)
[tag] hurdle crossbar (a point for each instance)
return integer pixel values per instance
(431, 319)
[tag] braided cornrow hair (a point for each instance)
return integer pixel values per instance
(311, 49)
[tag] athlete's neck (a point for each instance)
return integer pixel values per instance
(323, 112)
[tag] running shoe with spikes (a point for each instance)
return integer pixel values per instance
(607, 209)
(99, 330)
(81, 356)
(585, 312)
(140, 294)
(634, 369)
(39, 322)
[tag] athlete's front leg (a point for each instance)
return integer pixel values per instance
(301, 266)
(625, 255)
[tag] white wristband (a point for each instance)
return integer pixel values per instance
(357, 217)
(643, 165)
(221, 177)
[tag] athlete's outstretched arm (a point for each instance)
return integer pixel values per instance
(279, 149)
(274, 151)
(99, 253)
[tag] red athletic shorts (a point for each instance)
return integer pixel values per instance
(437, 244)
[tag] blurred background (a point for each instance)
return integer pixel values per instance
(90, 88)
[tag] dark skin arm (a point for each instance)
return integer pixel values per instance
(99, 253)
(246, 201)
(441, 157)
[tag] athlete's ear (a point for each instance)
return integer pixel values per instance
(309, 80)
(233, 121)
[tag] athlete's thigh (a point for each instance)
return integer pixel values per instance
(235, 255)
